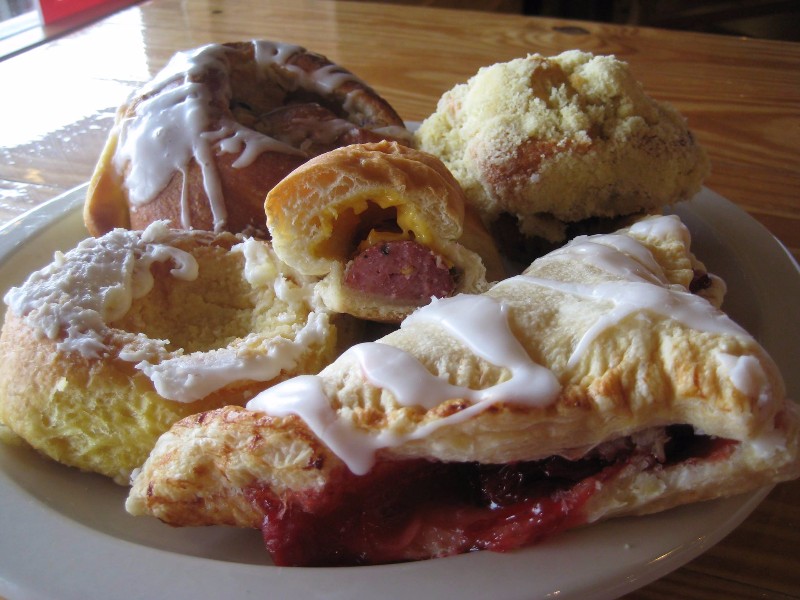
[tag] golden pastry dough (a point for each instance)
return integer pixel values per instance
(201, 144)
(598, 352)
(122, 336)
(343, 203)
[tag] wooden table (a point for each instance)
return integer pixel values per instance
(741, 98)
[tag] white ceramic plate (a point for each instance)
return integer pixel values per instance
(65, 534)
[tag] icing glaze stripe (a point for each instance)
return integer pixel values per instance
(180, 121)
(638, 287)
(478, 321)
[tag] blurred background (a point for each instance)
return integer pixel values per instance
(769, 19)
(24, 23)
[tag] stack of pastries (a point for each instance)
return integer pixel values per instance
(376, 346)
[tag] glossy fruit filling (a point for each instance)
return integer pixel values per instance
(417, 509)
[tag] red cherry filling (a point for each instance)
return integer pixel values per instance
(417, 509)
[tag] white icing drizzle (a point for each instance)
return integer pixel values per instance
(322, 81)
(180, 120)
(481, 323)
(669, 226)
(629, 298)
(618, 254)
(642, 286)
(769, 442)
(248, 144)
(191, 377)
(274, 52)
(395, 132)
(74, 298)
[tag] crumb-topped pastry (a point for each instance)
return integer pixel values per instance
(552, 141)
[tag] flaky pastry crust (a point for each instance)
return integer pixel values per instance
(648, 369)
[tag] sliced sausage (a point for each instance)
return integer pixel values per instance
(404, 271)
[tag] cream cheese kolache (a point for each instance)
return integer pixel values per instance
(547, 147)
(116, 339)
(202, 143)
(593, 385)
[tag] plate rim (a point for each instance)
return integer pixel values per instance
(20, 231)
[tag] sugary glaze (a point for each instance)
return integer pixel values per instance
(75, 299)
(638, 288)
(222, 111)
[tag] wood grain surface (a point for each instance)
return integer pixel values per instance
(741, 98)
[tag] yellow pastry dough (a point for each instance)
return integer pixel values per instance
(125, 334)
(595, 367)
(332, 211)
